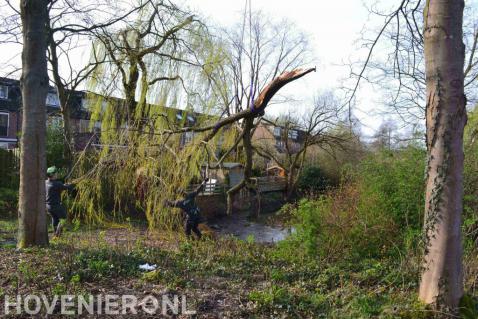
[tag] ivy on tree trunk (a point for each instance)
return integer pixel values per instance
(442, 277)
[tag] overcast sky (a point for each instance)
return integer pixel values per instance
(333, 28)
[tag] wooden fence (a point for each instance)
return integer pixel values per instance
(9, 168)
(264, 185)
(209, 189)
(270, 184)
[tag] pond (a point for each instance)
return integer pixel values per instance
(239, 225)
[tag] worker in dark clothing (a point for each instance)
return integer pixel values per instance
(190, 208)
(53, 198)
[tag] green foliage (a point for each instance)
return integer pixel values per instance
(8, 201)
(274, 296)
(55, 145)
(376, 211)
(312, 180)
(470, 179)
(9, 169)
(250, 239)
(92, 265)
(27, 272)
(468, 307)
(396, 179)
(334, 227)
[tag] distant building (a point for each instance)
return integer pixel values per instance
(11, 115)
(11, 118)
(277, 138)
(11, 111)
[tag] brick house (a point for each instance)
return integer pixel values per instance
(11, 116)
(10, 119)
(275, 137)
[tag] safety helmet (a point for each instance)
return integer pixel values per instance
(51, 170)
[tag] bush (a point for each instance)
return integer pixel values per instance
(376, 210)
(55, 146)
(8, 201)
(312, 180)
(470, 179)
(397, 179)
(342, 225)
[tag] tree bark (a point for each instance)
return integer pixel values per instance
(442, 277)
(64, 99)
(246, 182)
(34, 83)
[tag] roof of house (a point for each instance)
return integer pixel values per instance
(274, 167)
(232, 165)
(229, 165)
(13, 102)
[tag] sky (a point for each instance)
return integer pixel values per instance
(333, 28)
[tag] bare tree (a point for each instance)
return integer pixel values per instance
(69, 27)
(259, 51)
(385, 136)
(32, 228)
(396, 62)
(298, 136)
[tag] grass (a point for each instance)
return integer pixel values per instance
(222, 278)
(8, 230)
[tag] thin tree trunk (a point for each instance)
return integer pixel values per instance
(34, 81)
(248, 115)
(254, 192)
(130, 86)
(442, 278)
(64, 98)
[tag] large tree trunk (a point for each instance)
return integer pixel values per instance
(34, 81)
(442, 278)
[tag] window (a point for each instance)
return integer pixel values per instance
(52, 100)
(179, 116)
(190, 118)
(280, 144)
(277, 131)
(84, 104)
(55, 121)
(97, 126)
(4, 117)
(293, 134)
(188, 137)
(3, 92)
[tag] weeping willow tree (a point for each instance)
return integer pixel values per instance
(169, 81)
(148, 100)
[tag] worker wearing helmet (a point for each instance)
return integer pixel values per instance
(54, 207)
